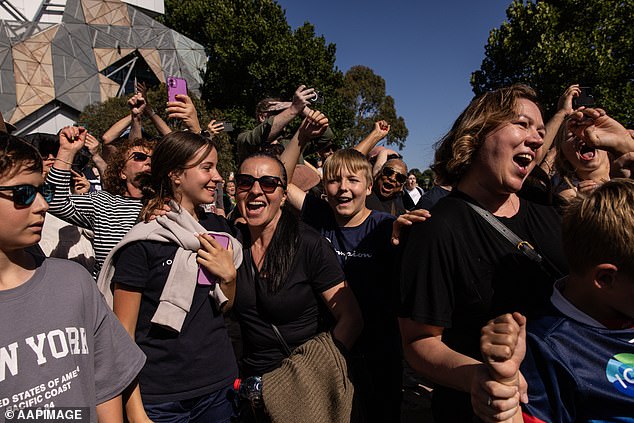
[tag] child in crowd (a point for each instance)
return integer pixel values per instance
(579, 362)
(361, 239)
(60, 345)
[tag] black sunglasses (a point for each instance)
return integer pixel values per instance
(138, 156)
(268, 183)
(24, 195)
(388, 172)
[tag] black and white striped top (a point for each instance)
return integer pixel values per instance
(109, 216)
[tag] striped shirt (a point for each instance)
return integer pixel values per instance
(109, 216)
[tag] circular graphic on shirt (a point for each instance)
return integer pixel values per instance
(620, 373)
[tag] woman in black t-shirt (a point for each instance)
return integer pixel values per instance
(288, 272)
(458, 271)
(190, 367)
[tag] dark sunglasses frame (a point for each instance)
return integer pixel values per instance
(139, 156)
(24, 195)
(268, 183)
(388, 172)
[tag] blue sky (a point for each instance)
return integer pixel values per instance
(425, 51)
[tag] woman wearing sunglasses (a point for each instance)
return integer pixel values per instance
(169, 305)
(289, 272)
(109, 213)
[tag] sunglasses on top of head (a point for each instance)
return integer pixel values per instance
(139, 156)
(24, 195)
(388, 172)
(268, 183)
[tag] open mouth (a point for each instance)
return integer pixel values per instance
(253, 206)
(523, 160)
(586, 152)
(343, 200)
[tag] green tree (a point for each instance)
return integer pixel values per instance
(254, 54)
(97, 118)
(552, 44)
(364, 94)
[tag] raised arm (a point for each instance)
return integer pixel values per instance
(599, 130)
(184, 110)
(75, 209)
(380, 131)
(149, 112)
(564, 109)
(137, 108)
(301, 99)
(313, 126)
(95, 151)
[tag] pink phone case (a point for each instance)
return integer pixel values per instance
(204, 277)
(175, 86)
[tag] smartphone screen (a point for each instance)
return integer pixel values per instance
(175, 86)
(204, 277)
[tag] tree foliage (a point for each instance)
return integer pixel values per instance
(364, 94)
(254, 54)
(552, 44)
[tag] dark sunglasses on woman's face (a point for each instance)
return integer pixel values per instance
(138, 156)
(24, 195)
(388, 172)
(268, 183)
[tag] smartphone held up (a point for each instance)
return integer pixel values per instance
(175, 86)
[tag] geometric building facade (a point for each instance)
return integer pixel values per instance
(49, 72)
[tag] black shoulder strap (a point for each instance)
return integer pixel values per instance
(523, 246)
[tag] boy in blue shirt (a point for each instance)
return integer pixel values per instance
(579, 357)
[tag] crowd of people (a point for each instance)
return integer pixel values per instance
(310, 280)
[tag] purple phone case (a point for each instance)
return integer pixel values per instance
(204, 277)
(175, 86)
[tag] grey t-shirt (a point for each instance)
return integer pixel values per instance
(60, 344)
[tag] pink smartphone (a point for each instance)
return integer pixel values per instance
(175, 86)
(204, 277)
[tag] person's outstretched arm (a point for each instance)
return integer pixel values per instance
(184, 110)
(313, 126)
(149, 112)
(380, 131)
(300, 101)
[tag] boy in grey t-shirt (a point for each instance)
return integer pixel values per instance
(60, 345)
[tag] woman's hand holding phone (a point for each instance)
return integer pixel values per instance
(215, 260)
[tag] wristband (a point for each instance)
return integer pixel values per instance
(64, 161)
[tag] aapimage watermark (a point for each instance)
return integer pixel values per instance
(48, 415)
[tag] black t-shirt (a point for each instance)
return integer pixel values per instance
(295, 309)
(366, 255)
(458, 272)
(198, 360)
(431, 197)
(393, 205)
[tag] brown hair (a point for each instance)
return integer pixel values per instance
(112, 181)
(15, 154)
(172, 153)
(455, 151)
(350, 159)
(599, 228)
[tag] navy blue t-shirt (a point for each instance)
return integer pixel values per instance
(577, 372)
(198, 360)
(367, 258)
